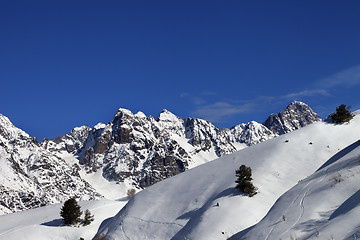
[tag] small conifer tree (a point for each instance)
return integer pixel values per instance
(130, 193)
(70, 212)
(243, 181)
(88, 218)
(342, 114)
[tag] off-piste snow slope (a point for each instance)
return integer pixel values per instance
(45, 223)
(202, 203)
(326, 205)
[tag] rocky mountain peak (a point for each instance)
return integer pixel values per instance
(167, 116)
(122, 112)
(296, 115)
(140, 115)
(251, 133)
(9, 131)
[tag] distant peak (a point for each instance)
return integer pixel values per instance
(167, 116)
(140, 114)
(4, 118)
(296, 115)
(81, 128)
(99, 126)
(5, 122)
(123, 111)
(165, 111)
(297, 103)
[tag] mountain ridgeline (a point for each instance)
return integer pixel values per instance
(132, 148)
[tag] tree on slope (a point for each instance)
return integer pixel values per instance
(88, 218)
(342, 114)
(243, 181)
(70, 212)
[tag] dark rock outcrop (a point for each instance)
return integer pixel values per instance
(295, 116)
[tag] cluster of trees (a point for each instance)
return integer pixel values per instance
(71, 213)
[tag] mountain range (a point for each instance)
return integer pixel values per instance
(131, 151)
(307, 188)
(306, 182)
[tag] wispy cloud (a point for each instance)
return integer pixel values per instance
(222, 109)
(307, 93)
(347, 78)
(200, 98)
(218, 111)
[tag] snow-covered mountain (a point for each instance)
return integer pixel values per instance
(31, 176)
(131, 151)
(307, 184)
(295, 116)
(144, 150)
(202, 203)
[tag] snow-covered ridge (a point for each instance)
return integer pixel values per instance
(146, 150)
(202, 203)
(31, 176)
(131, 151)
(9, 131)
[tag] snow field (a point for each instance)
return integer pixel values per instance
(45, 223)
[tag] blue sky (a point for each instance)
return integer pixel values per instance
(68, 63)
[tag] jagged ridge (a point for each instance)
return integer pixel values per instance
(132, 147)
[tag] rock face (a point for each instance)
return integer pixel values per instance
(31, 176)
(146, 150)
(132, 148)
(295, 116)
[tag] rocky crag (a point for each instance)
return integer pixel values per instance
(31, 176)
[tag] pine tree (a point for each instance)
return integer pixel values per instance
(130, 193)
(70, 212)
(88, 218)
(342, 114)
(243, 181)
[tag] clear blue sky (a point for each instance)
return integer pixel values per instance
(68, 63)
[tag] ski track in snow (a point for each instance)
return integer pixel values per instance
(292, 203)
(15, 229)
(149, 221)
(123, 231)
(301, 205)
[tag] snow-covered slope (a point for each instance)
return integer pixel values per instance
(326, 205)
(45, 223)
(185, 206)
